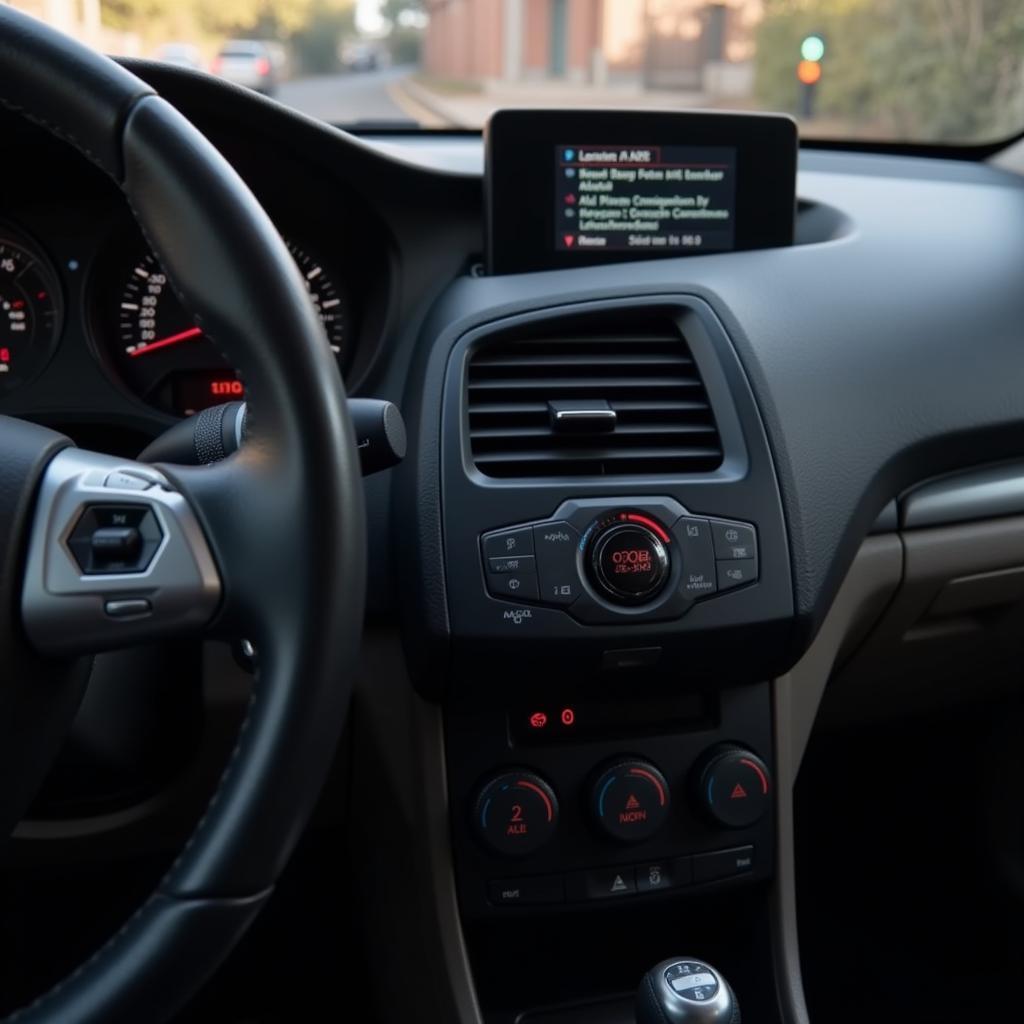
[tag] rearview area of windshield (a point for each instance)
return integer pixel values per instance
(934, 71)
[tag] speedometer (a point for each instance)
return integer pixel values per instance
(160, 354)
(29, 310)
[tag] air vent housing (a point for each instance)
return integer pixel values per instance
(538, 401)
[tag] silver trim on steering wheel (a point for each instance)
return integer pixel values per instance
(68, 609)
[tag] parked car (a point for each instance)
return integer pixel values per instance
(359, 55)
(249, 63)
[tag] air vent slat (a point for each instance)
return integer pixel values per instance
(656, 407)
(610, 360)
(638, 366)
(582, 383)
(599, 454)
(656, 430)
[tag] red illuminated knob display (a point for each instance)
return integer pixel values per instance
(516, 813)
(629, 559)
(630, 801)
(732, 787)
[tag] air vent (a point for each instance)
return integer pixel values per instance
(590, 397)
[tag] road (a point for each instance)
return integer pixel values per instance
(347, 98)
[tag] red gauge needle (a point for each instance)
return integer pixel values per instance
(171, 339)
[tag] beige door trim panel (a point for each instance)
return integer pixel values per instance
(872, 581)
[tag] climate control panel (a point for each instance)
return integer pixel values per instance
(516, 811)
(660, 804)
(603, 562)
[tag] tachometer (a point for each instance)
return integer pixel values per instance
(30, 310)
(162, 356)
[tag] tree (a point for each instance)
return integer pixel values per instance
(950, 70)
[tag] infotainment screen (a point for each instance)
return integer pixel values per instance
(644, 198)
(574, 188)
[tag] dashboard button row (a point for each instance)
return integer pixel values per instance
(541, 563)
(623, 880)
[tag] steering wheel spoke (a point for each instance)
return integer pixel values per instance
(116, 556)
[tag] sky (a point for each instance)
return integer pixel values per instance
(368, 17)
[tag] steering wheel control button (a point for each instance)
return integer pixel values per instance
(713, 867)
(527, 892)
(506, 543)
(116, 544)
(693, 981)
(629, 558)
(130, 608)
(736, 574)
(733, 787)
(698, 557)
(630, 801)
(733, 541)
(122, 481)
(516, 813)
(115, 539)
(556, 546)
(517, 563)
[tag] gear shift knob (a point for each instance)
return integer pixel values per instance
(685, 991)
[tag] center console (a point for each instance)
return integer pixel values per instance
(603, 594)
(602, 588)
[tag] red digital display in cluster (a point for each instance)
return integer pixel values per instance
(227, 388)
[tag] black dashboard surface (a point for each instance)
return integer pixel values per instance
(887, 348)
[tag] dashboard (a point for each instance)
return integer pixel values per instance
(632, 494)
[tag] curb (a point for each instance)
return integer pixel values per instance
(432, 102)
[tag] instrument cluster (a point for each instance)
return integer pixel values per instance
(117, 302)
(151, 345)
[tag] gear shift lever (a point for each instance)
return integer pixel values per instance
(685, 991)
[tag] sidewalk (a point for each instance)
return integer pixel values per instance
(470, 109)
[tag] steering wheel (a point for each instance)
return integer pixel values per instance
(98, 553)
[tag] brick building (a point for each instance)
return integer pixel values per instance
(651, 43)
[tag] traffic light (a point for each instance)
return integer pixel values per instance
(808, 71)
(812, 49)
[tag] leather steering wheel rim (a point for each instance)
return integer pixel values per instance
(283, 517)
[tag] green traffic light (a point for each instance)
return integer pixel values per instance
(812, 48)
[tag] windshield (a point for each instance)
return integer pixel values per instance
(949, 71)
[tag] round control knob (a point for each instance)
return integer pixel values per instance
(516, 813)
(628, 559)
(630, 800)
(685, 991)
(732, 786)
